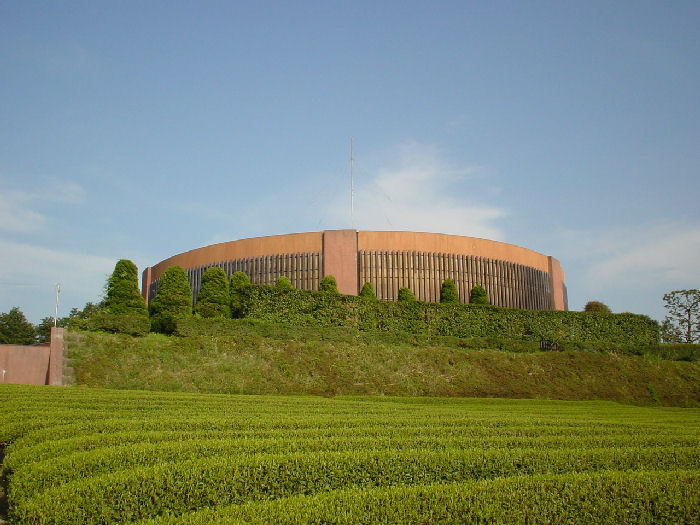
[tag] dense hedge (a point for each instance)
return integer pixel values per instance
(570, 329)
(127, 323)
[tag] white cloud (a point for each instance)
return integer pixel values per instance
(641, 257)
(15, 216)
(21, 211)
(665, 254)
(28, 275)
(422, 193)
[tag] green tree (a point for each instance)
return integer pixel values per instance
(478, 295)
(448, 292)
(328, 285)
(368, 292)
(213, 299)
(43, 329)
(123, 296)
(239, 280)
(596, 306)
(682, 324)
(283, 283)
(15, 329)
(406, 295)
(173, 300)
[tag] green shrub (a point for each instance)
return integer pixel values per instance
(328, 285)
(129, 324)
(238, 281)
(283, 283)
(406, 295)
(448, 292)
(478, 295)
(172, 301)
(123, 295)
(368, 292)
(213, 299)
(596, 306)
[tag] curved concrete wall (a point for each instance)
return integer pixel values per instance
(513, 276)
(242, 249)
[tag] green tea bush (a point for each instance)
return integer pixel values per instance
(94, 456)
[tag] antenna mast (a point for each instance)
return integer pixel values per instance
(352, 189)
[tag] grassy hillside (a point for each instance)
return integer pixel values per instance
(269, 359)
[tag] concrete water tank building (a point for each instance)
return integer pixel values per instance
(513, 276)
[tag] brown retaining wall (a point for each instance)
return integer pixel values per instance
(33, 365)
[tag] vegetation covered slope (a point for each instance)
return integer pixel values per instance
(94, 456)
(270, 359)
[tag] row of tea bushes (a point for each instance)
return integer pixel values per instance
(94, 456)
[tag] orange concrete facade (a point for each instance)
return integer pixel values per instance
(450, 244)
(242, 249)
(513, 276)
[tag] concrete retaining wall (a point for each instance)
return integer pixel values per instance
(33, 365)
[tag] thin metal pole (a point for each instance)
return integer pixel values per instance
(55, 316)
(352, 188)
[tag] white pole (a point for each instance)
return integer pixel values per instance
(55, 316)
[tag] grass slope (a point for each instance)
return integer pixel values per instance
(272, 360)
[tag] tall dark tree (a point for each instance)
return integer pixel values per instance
(682, 324)
(406, 294)
(213, 299)
(448, 292)
(239, 280)
(478, 295)
(328, 285)
(123, 296)
(173, 300)
(15, 329)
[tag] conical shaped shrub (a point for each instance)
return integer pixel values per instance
(172, 301)
(213, 299)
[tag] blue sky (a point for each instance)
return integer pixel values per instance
(143, 129)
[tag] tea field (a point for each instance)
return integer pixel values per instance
(95, 456)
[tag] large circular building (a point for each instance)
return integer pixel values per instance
(513, 277)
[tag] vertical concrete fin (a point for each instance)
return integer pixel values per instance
(556, 280)
(145, 283)
(340, 259)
